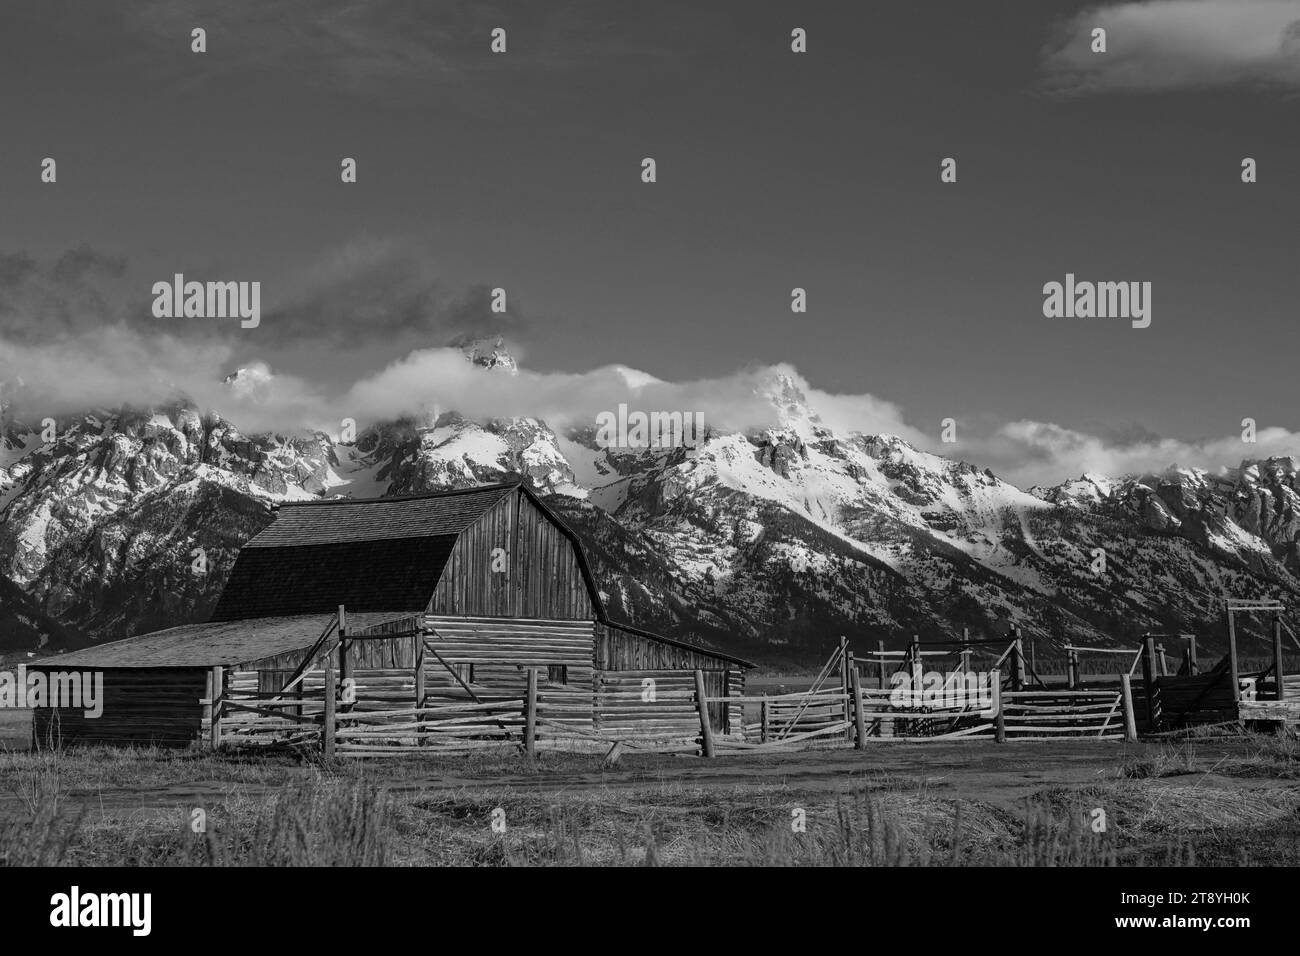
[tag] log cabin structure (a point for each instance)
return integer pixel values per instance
(466, 595)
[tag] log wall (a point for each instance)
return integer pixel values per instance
(625, 659)
(493, 656)
(140, 706)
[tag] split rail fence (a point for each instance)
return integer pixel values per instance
(376, 718)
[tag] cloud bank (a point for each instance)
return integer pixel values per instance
(79, 356)
(1166, 45)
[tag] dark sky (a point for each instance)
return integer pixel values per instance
(775, 170)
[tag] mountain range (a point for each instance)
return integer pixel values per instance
(768, 543)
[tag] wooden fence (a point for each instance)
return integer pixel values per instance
(311, 715)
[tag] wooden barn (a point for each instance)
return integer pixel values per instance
(458, 598)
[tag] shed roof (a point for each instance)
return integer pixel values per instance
(209, 645)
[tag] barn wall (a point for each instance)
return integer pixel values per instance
(542, 578)
(619, 650)
(625, 660)
(141, 706)
(500, 653)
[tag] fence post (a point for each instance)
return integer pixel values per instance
(216, 688)
(1232, 658)
(1072, 668)
(327, 727)
(343, 647)
(1017, 665)
(880, 645)
(859, 722)
(1149, 684)
(702, 704)
(965, 650)
(1193, 667)
(1277, 657)
(850, 681)
(1130, 720)
(530, 715)
(1164, 662)
(419, 689)
(1000, 725)
(762, 716)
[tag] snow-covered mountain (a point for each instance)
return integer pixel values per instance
(772, 543)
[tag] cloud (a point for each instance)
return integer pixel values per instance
(1165, 45)
(62, 337)
(1029, 452)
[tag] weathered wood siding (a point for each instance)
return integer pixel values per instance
(141, 706)
(624, 660)
(493, 656)
(541, 579)
(621, 650)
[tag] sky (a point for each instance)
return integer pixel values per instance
(775, 170)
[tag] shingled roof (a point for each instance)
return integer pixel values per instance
(343, 520)
(368, 555)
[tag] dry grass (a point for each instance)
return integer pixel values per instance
(1180, 803)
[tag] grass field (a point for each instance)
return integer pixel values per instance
(1203, 801)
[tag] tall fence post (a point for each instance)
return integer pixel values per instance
(1072, 668)
(850, 680)
(1232, 658)
(762, 718)
(217, 681)
(327, 726)
(702, 704)
(419, 690)
(1149, 684)
(965, 650)
(1193, 666)
(343, 649)
(859, 721)
(1130, 720)
(1000, 724)
(880, 645)
(1017, 666)
(1277, 657)
(530, 715)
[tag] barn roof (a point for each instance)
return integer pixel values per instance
(344, 520)
(367, 554)
(399, 574)
(208, 645)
